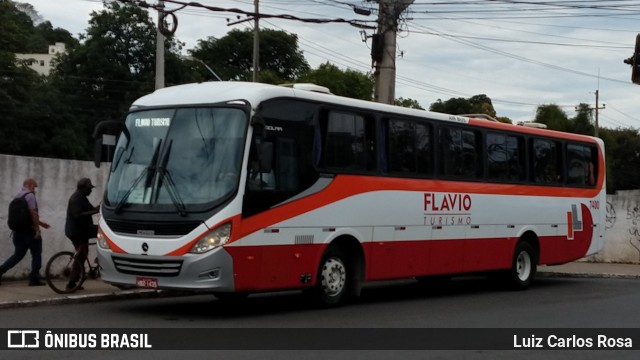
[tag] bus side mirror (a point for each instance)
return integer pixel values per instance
(104, 134)
(259, 126)
(266, 157)
(97, 151)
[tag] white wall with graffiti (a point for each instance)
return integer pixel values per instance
(622, 238)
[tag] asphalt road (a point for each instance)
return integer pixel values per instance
(467, 303)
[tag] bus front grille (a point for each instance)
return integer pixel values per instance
(147, 267)
(160, 229)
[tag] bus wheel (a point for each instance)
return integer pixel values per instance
(523, 266)
(332, 285)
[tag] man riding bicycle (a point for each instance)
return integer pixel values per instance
(79, 227)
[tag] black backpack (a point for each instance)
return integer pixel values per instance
(19, 214)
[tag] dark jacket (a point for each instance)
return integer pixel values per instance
(79, 223)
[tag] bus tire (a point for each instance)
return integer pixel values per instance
(334, 279)
(523, 266)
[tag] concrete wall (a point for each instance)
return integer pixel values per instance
(622, 238)
(57, 181)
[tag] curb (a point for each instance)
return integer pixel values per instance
(551, 274)
(76, 299)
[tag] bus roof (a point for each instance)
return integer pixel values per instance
(255, 93)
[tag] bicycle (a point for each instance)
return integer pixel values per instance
(59, 268)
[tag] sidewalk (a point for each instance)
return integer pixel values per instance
(589, 269)
(19, 294)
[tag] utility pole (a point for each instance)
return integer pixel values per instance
(384, 49)
(256, 38)
(597, 110)
(160, 49)
(256, 41)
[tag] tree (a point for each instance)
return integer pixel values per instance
(553, 116)
(113, 66)
(504, 119)
(28, 10)
(17, 81)
(623, 158)
(15, 26)
(349, 83)
(408, 103)
(477, 104)
(582, 123)
(481, 104)
(46, 35)
(231, 56)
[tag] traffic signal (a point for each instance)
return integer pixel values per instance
(634, 61)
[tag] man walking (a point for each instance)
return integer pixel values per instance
(28, 238)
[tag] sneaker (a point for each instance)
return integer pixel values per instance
(36, 283)
(70, 286)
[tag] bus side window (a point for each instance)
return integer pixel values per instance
(349, 142)
(460, 153)
(593, 168)
(581, 165)
(408, 148)
(505, 157)
(546, 162)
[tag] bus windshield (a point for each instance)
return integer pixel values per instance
(181, 159)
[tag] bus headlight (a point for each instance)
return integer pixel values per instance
(102, 239)
(217, 237)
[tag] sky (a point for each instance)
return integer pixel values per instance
(519, 53)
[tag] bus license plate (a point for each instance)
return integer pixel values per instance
(147, 283)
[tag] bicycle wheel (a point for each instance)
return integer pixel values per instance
(58, 272)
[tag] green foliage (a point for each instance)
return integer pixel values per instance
(113, 66)
(504, 119)
(15, 27)
(348, 83)
(408, 103)
(582, 123)
(477, 104)
(46, 35)
(553, 116)
(231, 56)
(623, 158)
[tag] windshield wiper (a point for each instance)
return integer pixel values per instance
(148, 172)
(173, 191)
(171, 185)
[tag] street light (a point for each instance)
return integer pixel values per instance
(191, 58)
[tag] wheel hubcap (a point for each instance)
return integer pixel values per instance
(333, 276)
(523, 266)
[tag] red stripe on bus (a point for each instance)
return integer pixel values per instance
(345, 186)
(258, 268)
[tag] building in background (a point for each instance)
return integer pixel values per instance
(42, 63)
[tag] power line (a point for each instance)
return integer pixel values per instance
(518, 57)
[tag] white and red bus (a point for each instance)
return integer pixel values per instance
(234, 188)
